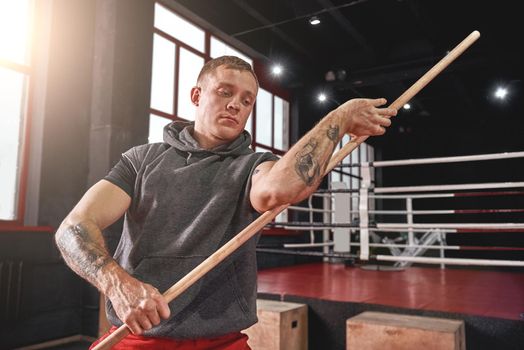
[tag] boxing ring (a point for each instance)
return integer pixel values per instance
(352, 228)
(374, 248)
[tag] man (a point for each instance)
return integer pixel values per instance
(184, 198)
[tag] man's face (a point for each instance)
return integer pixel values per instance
(224, 101)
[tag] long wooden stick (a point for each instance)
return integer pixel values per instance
(257, 225)
(410, 93)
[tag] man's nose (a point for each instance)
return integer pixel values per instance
(233, 105)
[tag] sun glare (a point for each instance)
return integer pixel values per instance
(14, 30)
(14, 38)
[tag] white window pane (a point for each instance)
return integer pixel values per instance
(261, 149)
(278, 118)
(371, 158)
(346, 179)
(345, 139)
(371, 153)
(355, 183)
(219, 48)
(264, 118)
(190, 66)
(363, 153)
(12, 109)
(179, 28)
(14, 30)
(156, 128)
(163, 75)
(285, 125)
(335, 175)
(281, 124)
(282, 217)
(249, 124)
(355, 170)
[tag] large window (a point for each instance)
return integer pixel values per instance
(15, 28)
(179, 52)
(178, 55)
(272, 123)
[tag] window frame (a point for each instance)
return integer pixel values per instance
(178, 45)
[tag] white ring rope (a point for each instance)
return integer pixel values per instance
(453, 226)
(452, 261)
(355, 194)
(389, 245)
(492, 156)
(448, 187)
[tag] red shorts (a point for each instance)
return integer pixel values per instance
(232, 341)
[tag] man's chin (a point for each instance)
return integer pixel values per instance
(232, 136)
(228, 135)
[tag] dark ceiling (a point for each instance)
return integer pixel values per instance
(381, 47)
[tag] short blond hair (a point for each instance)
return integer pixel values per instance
(231, 62)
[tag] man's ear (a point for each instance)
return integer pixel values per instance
(195, 95)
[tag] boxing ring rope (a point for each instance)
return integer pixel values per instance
(436, 160)
(415, 259)
(454, 228)
(410, 227)
(388, 245)
(327, 193)
(415, 212)
(479, 186)
(257, 225)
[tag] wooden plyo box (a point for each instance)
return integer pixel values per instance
(377, 330)
(280, 326)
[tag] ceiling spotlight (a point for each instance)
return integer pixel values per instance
(501, 93)
(276, 70)
(314, 21)
(322, 97)
(407, 106)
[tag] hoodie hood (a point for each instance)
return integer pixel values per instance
(178, 134)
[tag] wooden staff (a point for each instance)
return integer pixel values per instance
(257, 225)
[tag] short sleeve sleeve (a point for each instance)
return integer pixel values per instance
(123, 174)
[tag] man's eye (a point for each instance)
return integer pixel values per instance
(224, 93)
(247, 102)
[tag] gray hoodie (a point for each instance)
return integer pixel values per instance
(186, 203)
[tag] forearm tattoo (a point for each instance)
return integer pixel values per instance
(308, 165)
(82, 253)
(333, 133)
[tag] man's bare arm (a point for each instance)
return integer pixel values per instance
(79, 237)
(82, 246)
(299, 172)
(311, 160)
(84, 250)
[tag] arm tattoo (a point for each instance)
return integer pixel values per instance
(82, 252)
(308, 166)
(333, 132)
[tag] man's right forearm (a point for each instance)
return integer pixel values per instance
(83, 249)
(139, 305)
